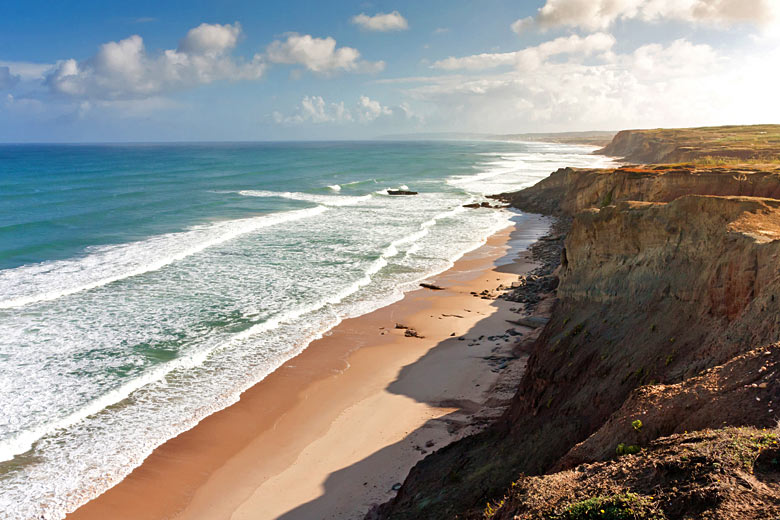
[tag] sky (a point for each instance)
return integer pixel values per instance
(230, 70)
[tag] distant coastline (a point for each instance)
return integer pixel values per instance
(589, 138)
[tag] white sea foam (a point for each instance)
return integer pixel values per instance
(107, 264)
(235, 311)
(335, 187)
(325, 200)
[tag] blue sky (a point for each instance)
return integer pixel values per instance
(236, 70)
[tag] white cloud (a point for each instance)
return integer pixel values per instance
(369, 109)
(7, 80)
(27, 70)
(674, 84)
(600, 14)
(319, 55)
(523, 24)
(382, 22)
(124, 70)
(476, 61)
(210, 39)
(314, 109)
(531, 57)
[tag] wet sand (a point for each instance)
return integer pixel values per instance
(330, 432)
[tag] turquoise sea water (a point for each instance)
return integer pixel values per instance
(143, 287)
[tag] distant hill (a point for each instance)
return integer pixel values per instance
(593, 138)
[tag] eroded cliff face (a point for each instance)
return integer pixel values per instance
(572, 190)
(641, 147)
(672, 295)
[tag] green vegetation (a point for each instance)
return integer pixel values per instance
(637, 424)
(744, 450)
(626, 506)
(623, 449)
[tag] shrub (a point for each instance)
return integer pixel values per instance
(626, 506)
(627, 449)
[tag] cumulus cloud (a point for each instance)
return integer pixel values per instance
(124, 69)
(7, 80)
(210, 39)
(531, 57)
(600, 14)
(314, 109)
(381, 22)
(369, 109)
(319, 55)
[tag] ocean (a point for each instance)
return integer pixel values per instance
(145, 286)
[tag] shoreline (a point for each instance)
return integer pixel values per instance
(362, 404)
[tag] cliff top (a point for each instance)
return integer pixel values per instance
(720, 145)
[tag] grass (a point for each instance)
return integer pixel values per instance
(625, 506)
(745, 450)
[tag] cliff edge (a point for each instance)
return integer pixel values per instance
(667, 323)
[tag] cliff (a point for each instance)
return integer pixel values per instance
(721, 144)
(569, 191)
(667, 321)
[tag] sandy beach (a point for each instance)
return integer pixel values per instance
(332, 431)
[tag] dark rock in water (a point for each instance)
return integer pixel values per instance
(485, 204)
(432, 286)
(401, 192)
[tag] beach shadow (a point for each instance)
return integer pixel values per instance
(414, 382)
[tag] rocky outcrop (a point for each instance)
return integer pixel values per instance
(669, 300)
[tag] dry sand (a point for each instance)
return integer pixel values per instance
(329, 433)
